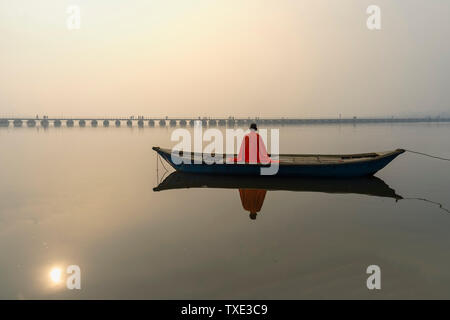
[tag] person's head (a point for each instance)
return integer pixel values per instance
(252, 215)
(253, 126)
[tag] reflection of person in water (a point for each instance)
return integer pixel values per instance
(252, 200)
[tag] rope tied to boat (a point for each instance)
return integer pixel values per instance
(427, 155)
(429, 201)
(423, 199)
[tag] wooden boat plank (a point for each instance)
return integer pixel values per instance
(302, 159)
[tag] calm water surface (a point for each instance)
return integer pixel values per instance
(85, 196)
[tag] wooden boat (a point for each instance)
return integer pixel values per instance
(371, 186)
(291, 165)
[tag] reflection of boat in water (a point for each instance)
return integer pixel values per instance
(371, 186)
(290, 165)
(252, 189)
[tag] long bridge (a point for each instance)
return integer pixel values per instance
(141, 122)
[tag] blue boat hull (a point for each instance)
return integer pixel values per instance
(341, 170)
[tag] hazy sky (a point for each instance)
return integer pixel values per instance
(305, 58)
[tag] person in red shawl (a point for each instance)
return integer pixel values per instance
(253, 149)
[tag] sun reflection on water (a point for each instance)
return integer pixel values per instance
(55, 275)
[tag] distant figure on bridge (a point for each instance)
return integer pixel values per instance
(253, 149)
